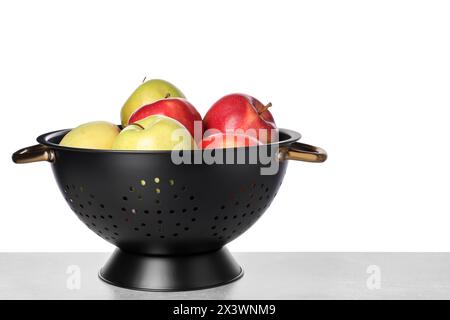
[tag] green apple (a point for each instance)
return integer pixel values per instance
(148, 92)
(155, 132)
(91, 135)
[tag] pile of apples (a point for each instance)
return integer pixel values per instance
(157, 111)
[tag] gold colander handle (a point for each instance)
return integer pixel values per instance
(302, 152)
(35, 153)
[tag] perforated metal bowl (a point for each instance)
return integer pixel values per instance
(170, 222)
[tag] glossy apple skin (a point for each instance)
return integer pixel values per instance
(154, 133)
(91, 135)
(175, 108)
(148, 92)
(221, 140)
(239, 111)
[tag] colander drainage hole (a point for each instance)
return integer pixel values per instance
(136, 229)
(148, 235)
(102, 206)
(222, 207)
(171, 211)
(175, 234)
(160, 222)
(115, 226)
(162, 237)
(184, 210)
(178, 224)
(159, 212)
(110, 216)
(125, 198)
(191, 198)
(123, 209)
(146, 212)
(216, 218)
(186, 229)
(213, 227)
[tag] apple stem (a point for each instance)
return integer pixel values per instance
(167, 95)
(267, 106)
(137, 125)
(145, 78)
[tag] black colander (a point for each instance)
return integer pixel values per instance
(169, 222)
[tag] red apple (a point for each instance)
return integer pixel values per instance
(241, 111)
(175, 108)
(228, 140)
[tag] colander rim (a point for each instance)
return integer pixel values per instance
(44, 139)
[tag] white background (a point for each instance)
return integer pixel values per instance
(366, 80)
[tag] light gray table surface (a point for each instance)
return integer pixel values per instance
(267, 276)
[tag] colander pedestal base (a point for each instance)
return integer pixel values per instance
(170, 273)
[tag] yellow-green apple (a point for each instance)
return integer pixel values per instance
(176, 108)
(241, 112)
(91, 135)
(228, 140)
(148, 92)
(155, 132)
